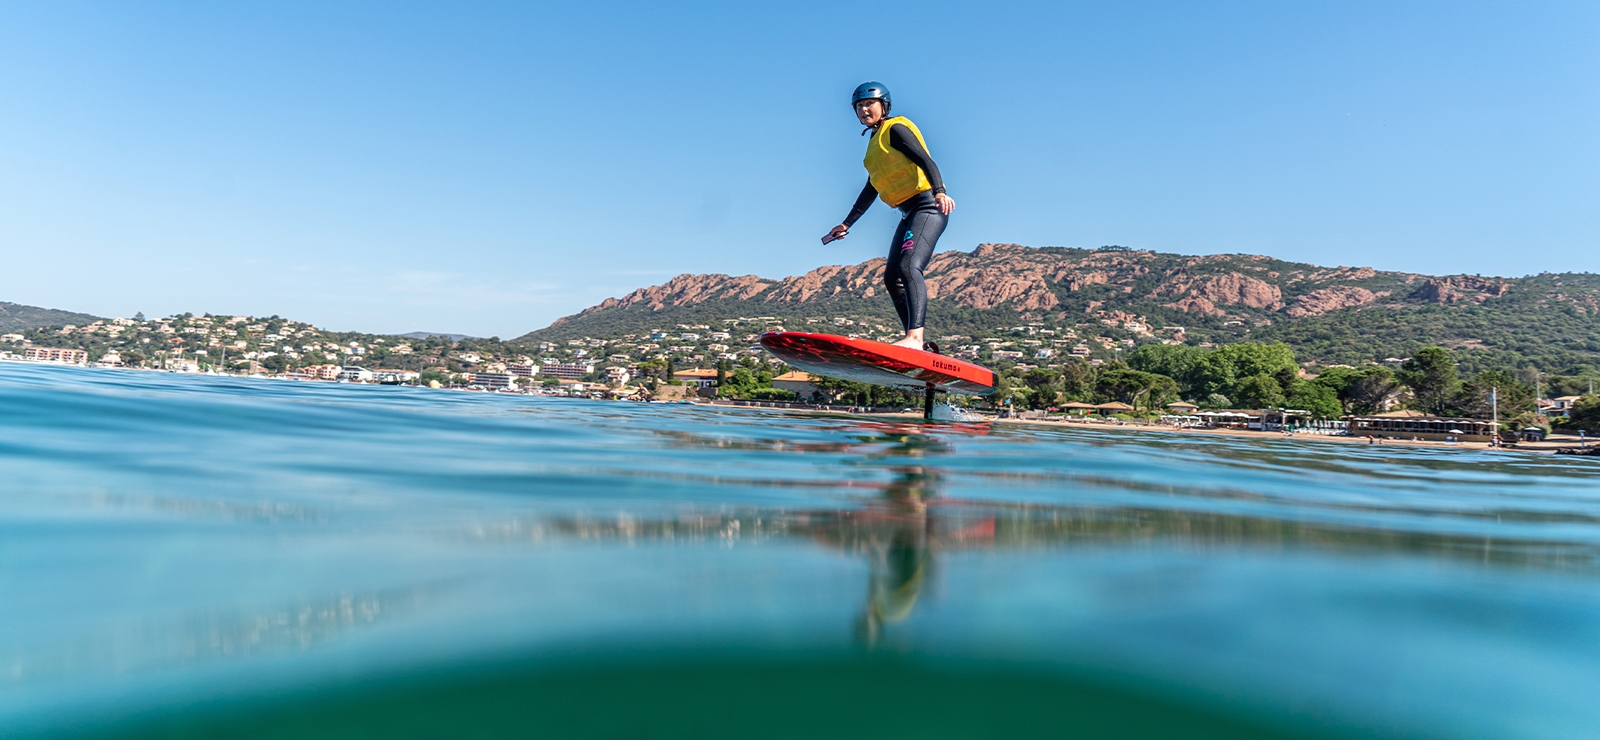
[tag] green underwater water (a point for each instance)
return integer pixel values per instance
(217, 557)
(731, 697)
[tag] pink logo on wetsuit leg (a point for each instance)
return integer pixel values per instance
(907, 244)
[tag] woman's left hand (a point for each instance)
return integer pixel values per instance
(946, 204)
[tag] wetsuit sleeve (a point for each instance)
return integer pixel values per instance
(906, 143)
(863, 202)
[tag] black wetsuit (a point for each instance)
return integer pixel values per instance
(921, 223)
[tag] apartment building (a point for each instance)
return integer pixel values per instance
(52, 354)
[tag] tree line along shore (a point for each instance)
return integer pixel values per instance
(1146, 378)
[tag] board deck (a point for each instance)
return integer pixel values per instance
(877, 363)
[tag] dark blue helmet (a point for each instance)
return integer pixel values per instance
(871, 91)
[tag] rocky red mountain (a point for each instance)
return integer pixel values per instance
(1330, 313)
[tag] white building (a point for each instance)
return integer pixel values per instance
(699, 377)
(570, 370)
(494, 381)
(392, 376)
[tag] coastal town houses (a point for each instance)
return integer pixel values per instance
(392, 376)
(1559, 406)
(180, 364)
(494, 381)
(322, 372)
(54, 354)
(699, 377)
(567, 370)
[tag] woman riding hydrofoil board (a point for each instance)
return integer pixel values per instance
(902, 173)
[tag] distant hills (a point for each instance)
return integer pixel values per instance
(434, 334)
(1106, 299)
(1330, 314)
(15, 317)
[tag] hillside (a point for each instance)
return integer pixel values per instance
(1328, 314)
(15, 317)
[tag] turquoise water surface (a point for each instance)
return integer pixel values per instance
(207, 556)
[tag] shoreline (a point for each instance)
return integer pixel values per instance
(1550, 446)
(1547, 447)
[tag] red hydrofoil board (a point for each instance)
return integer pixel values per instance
(866, 361)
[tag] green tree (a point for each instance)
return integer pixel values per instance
(1043, 387)
(1337, 379)
(1585, 414)
(1261, 391)
(652, 370)
(1431, 375)
(1176, 361)
(1211, 373)
(275, 364)
(1161, 391)
(1319, 399)
(1005, 388)
(741, 383)
(1077, 380)
(861, 394)
(1360, 391)
(1249, 359)
(1146, 390)
(1581, 384)
(1477, 397)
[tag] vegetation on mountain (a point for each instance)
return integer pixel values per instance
(251, 343)
(15, 317)
(1327, 315)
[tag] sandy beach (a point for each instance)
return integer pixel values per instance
(1551, 444)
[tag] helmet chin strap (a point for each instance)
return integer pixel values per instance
(876, 125)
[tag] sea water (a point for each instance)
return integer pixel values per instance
(211, 556)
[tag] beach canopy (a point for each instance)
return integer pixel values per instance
(1114, 406)
(1078, 405)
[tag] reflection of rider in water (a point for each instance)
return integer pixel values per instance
(899, 567)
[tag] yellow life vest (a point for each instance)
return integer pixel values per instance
(893, 175)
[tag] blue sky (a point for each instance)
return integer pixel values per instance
(485, 168)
